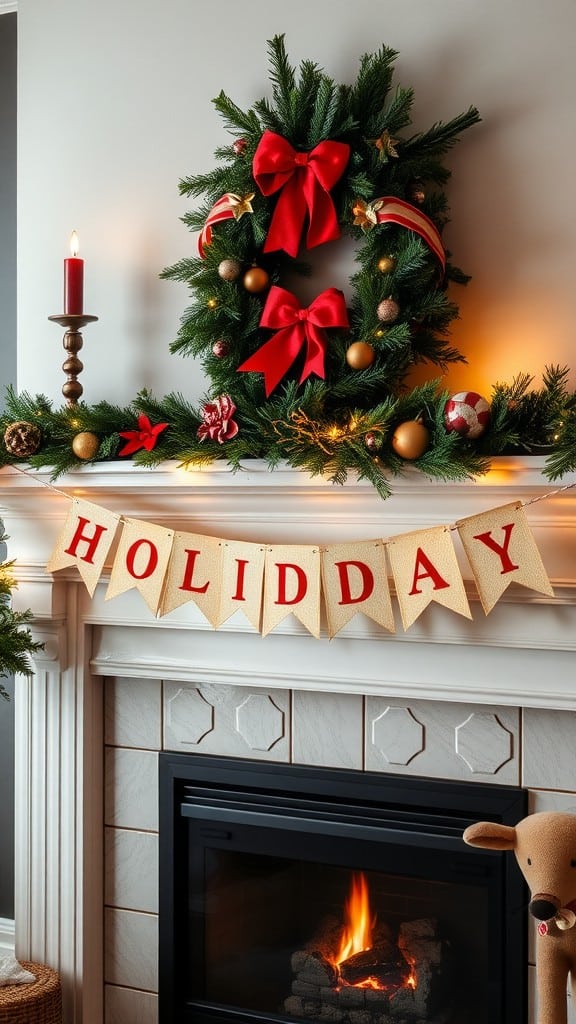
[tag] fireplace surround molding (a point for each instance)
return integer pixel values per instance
(522, 654)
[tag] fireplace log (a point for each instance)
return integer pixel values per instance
(316, 969)
(384, 963)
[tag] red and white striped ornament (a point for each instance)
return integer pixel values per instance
(467, 413)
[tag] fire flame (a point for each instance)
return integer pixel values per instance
(356, 934)
(357, 931)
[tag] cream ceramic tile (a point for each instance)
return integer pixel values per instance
(545, 800)
(327, 729)
(131, 788)
(131, 949)
(549, 749)
(132, 710)
(441, 739)
(234, 721)
(131, 870)
(129, 1006)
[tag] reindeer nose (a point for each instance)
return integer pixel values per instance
(543, 906)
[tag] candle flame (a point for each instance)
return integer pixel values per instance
(74, 244)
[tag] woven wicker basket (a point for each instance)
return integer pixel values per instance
(39, 1002)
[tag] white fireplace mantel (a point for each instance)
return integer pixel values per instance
(287, 506)
(522, 654)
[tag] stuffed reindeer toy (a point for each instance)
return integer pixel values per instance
(545, 848)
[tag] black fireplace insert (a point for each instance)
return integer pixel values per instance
(290, 893)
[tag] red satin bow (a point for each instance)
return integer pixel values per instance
(305, 180)
(296, 326)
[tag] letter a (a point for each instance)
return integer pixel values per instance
(430, 573)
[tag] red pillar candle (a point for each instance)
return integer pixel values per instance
(73, 280)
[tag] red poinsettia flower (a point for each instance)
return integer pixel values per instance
(145, 437)
(218, 423)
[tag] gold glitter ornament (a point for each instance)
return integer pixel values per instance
(229, 270)
(85, 445)
(386, 264)
(388, 310)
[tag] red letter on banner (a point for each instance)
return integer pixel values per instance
(302, 583)
(367, 582)
(431, 572)
(241, 563)
(131, 559)
(187, 581)
(500, 549)
(91, 541)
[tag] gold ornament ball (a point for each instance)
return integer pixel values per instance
(256, 280)
(388, 311)
(411, 439)
(360, 355)
(229, 270)
(386, 264)
(85, 445)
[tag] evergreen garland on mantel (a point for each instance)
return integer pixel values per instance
(322, 387)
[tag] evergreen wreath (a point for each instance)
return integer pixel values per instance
(323, 387)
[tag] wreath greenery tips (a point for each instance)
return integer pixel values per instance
(256, 221)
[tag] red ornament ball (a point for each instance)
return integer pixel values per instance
(255, 280)
(239, 146)
(388, 311)
(467, 413)
(220, 348)
(373, 440)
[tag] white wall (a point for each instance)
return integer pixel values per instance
(115, 109)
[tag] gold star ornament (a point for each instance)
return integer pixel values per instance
(386, 146)
(365, 214)
(241, 204)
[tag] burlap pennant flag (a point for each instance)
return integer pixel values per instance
(425, 569)
(141, 561)
(354, 579)
(194, 574)
(292, 585)
(85, 541)
(242, 579)
(501, 550)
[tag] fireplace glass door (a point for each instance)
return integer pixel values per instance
(292, 894)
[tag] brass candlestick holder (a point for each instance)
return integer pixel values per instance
(72, 342)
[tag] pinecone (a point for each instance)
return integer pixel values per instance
(22, 438)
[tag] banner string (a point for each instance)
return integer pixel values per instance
(450, 526)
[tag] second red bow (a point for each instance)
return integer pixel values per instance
(295, 327)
